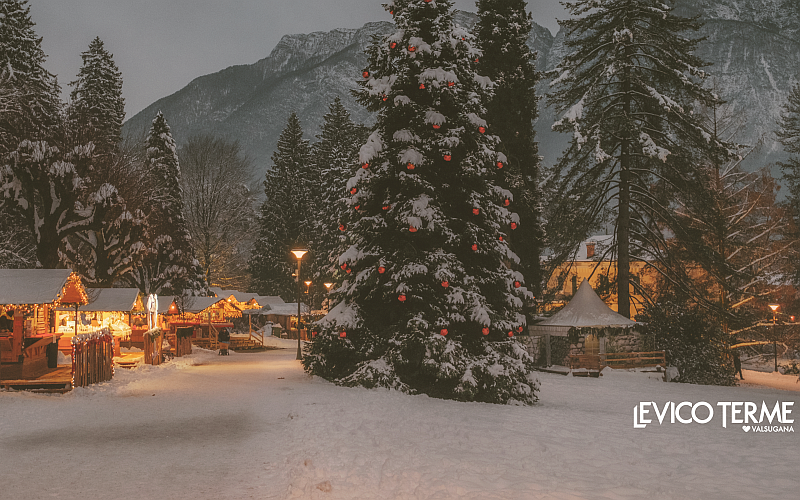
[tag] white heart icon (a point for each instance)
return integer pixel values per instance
(746, 428)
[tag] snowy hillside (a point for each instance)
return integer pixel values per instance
(753, 45)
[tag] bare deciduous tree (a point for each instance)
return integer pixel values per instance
(219, 198)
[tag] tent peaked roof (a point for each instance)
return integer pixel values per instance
(587, 310)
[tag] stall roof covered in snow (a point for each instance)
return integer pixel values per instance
(110, 299)
(286, 309)
(585, 310)
(246, 296)
(32, 286)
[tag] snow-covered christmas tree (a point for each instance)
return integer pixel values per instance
(431, 304)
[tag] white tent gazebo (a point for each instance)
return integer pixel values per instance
(585, 311)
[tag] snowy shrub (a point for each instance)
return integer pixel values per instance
(692, 339)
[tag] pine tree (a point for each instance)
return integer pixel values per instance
(502, 32)
(789, 135)
(430, 304)
(285, 219)
(97, 109)
(627, 92)
(336, 157)
(95, 117)
(169, 265)
(30, 109)
(33, 91)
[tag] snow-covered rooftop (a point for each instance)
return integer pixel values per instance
(585, 310)
(111, 299)
(32, 286)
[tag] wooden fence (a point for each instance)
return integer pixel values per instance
(92, 358)
(183, 341)
(152, 346)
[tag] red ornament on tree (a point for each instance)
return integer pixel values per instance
(517, 284)
(500, 238)
(365, 74)
(342, 227)
(482, 130)
(476, 59)
(445, 284)
(510, 334)
(474, 247)
(436, 126)
(356, 207)
(354, 191)
(450, 84)
(485, 330)
(499, 164)
(427, 1)
(506, 202)
(412, 229)
(513, 225)
(476, 211)
(342, 335)
(385, 207)
(344, 266)
(381, 270)
(422, 86)
(443, 332)
(402, 297)
(447, 157)
(385, 97)
(411, 48)
(365, 166)
(348, 270)
(519, 328)
(410, 166)
(313, 335)
(393, 45)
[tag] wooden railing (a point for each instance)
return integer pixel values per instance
(634, 359)
(152, 346)
(92, 358)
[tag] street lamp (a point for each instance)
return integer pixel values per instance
(774, 308)
(328, 299)
(299, 252)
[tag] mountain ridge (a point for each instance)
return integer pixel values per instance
(305, 72)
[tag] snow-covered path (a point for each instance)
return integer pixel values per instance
(255, 426)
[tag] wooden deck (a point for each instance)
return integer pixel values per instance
(56, 380)
(128, 359)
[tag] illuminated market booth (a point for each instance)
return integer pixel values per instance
(29, 330)
(111, 308)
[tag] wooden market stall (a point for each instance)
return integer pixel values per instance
(28, 330)
(110, 308)
(206, 316)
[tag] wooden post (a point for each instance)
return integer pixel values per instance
(547, 348)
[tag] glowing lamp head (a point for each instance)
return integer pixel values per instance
(774, 307)
(299, 252)
(308, 283)
(328, 286)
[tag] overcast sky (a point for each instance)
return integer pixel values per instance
(161, 45)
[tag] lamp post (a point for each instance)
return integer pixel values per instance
(774, 308)
(327, 298)
(299, 252)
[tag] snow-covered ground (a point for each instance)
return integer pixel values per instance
(255, 426)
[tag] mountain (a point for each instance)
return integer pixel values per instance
(753, 45)
(303, 73)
